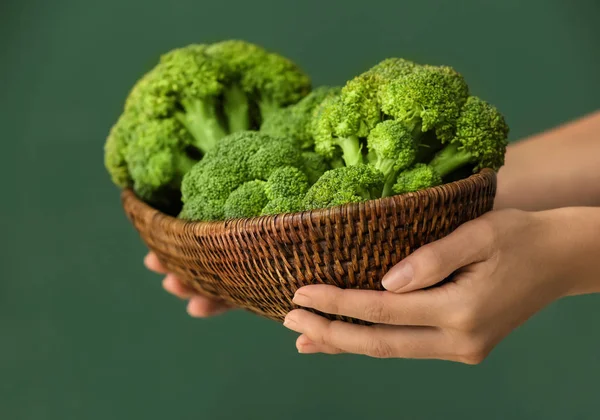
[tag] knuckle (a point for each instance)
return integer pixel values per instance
(487, 231)
(327, 334)
(464, 319)
(377, 312)
(379, 349)
(432, 256)
(473, 351)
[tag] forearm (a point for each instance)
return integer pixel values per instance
(572, 241)
(557, 168)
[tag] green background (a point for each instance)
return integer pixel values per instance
(88, 333)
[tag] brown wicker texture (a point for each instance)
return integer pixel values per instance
(257, 264)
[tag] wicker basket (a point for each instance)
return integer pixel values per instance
(257, 264)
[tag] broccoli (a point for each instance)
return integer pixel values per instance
(247, 200)
(429, 98)
(419, 177)
(221, 185)
(286, 182)
(230, 130)
(285, 190)
(193, 97)
(150, 155)
(420, 98)
(294, 120)
(314, 165)
(269, 158)
(480, 142)
(348, 184)
(392, 149)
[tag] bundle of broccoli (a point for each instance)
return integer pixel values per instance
(230, 130)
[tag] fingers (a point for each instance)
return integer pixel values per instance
(174, 286)
(198, 306)
(432, 263)
(417, 308)
(202, 307)
(378, 341)
(153, 264)
(307, 346)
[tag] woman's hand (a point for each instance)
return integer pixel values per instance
(508, 265)
(198, 306)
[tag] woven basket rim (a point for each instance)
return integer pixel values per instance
(128, 195)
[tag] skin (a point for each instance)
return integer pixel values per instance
(540, 244)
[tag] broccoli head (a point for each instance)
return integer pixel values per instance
(392, 148)
(250, 162)
(480, 142)
(247, 200)
(286, 181)
(285, 190)
(269, 158)
(348, 184)
(422, 98)
(419, 177)
(192, 98)
(428, 98)
(149, 155)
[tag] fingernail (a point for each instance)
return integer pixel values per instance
(289, 323)
(301, 299)
(307, 348)
(398, 277)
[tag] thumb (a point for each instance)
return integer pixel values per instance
(432, 263)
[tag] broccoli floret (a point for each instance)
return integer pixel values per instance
(480, 142)
(149, 155)
(419, 177)
(115, 149)
(428, 98)
(247, 200)
(330, 140)
(294, 121)
(392, 148)
(481, 139)
(360, 106)
(202, 93)
(286, 182)
(424, 98)
(240, 159)
(157, 158)
(269, 158)
(344, 185)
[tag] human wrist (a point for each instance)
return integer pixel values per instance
(569, 238)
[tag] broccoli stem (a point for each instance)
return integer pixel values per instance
(449, 159)
(201, 120)
(386, 167)
(267, 108)
(351, 150)
(237, 109)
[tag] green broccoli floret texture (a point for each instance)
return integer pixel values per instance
(247, 200)
(349, 184)
(248, 159)
(192, 98)
(229, 130)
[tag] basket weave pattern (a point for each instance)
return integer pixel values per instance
(257, 264)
